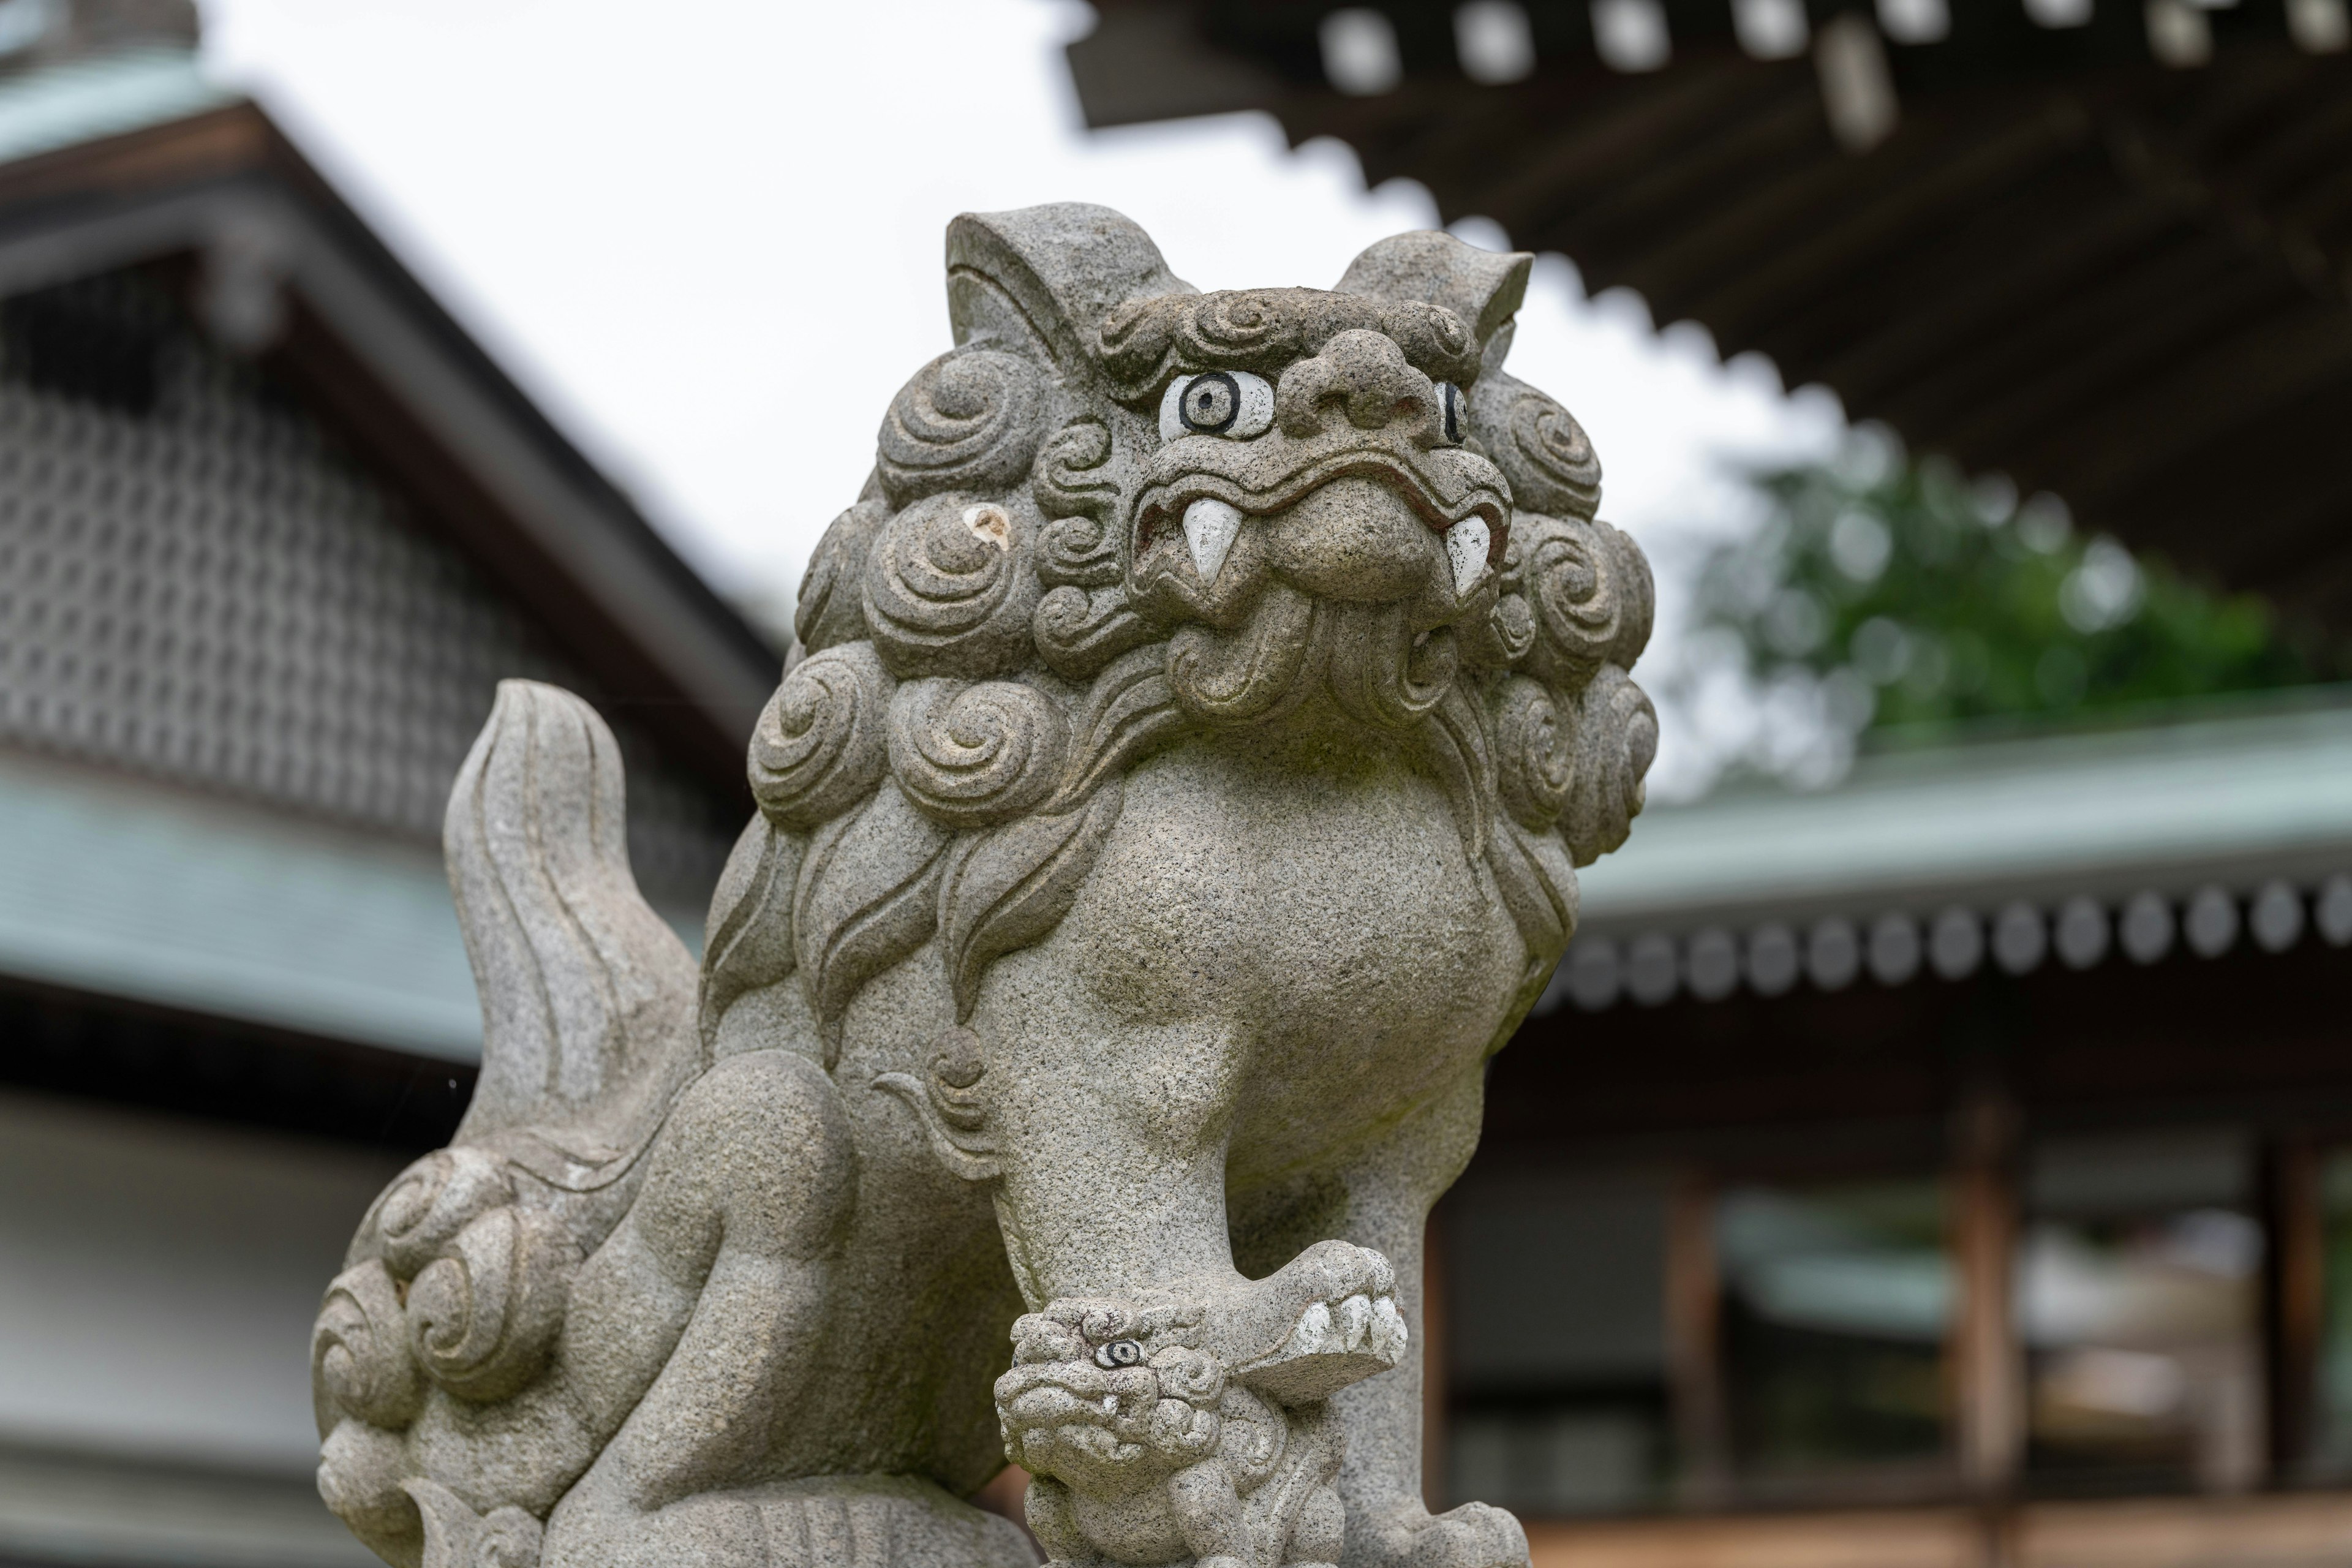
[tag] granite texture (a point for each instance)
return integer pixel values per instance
(1171, 801)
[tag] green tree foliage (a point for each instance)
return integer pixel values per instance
(1919, 600)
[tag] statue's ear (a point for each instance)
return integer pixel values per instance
(1039, 281)
(1484, 287)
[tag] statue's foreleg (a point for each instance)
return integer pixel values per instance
(1389, 1193)
(1175, 1406)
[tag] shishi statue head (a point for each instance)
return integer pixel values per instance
(1122, 515)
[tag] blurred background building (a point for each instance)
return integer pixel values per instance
(271, 529)
(1936, 1149)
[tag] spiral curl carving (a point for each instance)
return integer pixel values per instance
(428, 1204)
(1264, 328)
(976, 755)
(949, 589)
(1591, 592)
(1616, 741)
(458, 1537)
(1539, 447)
(819, 746)
(482, 1317)
(1432, 335)
(1245, 323)
(1074, 476)
(359, 1348)
(1078, 553)
(1535, 760)
(1239, 677)
(1078, 633)
(831, 608)
(1380, 672)
(970, 419)
(509, 1539)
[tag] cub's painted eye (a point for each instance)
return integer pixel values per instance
(1217, 403)
(1118, 1353)
(1449, 412)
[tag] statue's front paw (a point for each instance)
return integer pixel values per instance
(1475, 1535)
(1326, 1320)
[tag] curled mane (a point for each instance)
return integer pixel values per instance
(973, 679)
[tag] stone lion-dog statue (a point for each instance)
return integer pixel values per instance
(1172, 801)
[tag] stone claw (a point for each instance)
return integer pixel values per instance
(1334, 1321)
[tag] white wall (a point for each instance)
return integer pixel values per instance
(158, 1278)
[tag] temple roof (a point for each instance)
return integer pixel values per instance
(183, 177)
(2230, 802)
(274, 526)
(2102, 246)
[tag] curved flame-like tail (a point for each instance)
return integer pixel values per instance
(588, 995)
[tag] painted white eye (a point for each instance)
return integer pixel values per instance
(1217, 403)
(1449, 417)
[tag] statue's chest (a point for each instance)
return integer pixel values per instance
(1332, 922)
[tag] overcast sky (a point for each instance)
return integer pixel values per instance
(706, 234)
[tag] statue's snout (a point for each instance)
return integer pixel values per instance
(1362, 377)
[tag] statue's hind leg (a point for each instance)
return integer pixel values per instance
(743, 1216)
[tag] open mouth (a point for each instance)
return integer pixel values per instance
(1211, 509)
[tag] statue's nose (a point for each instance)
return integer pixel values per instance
(1361, 376)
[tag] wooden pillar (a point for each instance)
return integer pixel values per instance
(1987, 1363)
(2295, 1304)
(1695, 1344)
(1434, 1415)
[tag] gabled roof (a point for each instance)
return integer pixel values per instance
(244, 632)
(179, 172)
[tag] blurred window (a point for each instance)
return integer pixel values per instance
(1556, 1361)
(2137, 1302)
(2331, 1446)
(1837, 1307)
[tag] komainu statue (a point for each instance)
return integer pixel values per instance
(1172, 800)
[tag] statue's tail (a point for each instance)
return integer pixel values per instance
(587, 995)
(456, 1287)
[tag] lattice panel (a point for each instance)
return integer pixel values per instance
(197, 582)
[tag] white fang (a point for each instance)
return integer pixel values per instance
(1465, 547)
(1209, 529)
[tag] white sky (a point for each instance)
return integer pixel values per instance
(706, 235)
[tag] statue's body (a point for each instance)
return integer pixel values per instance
(1171, 805)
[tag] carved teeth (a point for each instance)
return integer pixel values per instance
(1388, 1334)
(1355, 1317)
(1360, 1324)
(1465, 547)
(1209, 529)
(1312, 1336)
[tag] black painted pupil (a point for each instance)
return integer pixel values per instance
(1211, 403)
(1452, 401)
(1126, 1353)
